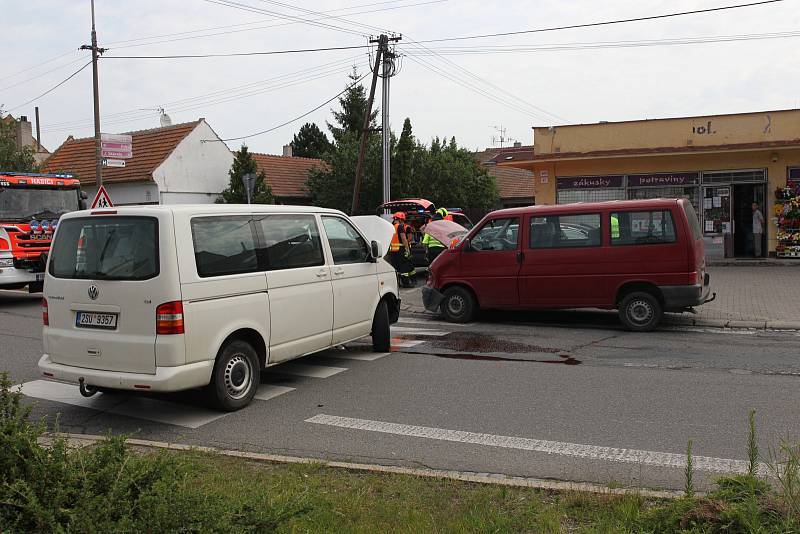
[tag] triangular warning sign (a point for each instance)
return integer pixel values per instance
(101, 199)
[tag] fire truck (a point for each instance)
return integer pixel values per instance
(30, 206)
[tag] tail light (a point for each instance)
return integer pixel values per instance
(169, 318)
(45, 314)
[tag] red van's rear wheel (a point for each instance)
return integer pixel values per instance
(640, 311)
(458, 305)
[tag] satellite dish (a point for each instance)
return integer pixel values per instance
(165, 120)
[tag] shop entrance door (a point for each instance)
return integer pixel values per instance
(743, 197)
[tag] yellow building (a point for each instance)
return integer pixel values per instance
(722, 163)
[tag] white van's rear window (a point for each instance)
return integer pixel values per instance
(106, 248)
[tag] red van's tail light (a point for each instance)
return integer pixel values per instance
(45, 314)
(169, 318)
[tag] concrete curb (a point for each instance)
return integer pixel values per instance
(84, 440)
(677, 320)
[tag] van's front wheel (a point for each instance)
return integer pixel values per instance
(236, 376)
(381, 333)
(458, 305)
(640, 311)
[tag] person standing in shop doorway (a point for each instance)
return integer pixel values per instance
(758, 230)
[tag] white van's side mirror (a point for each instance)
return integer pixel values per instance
(375, 249)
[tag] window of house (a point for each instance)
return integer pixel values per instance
(565, 231)
(641, 227)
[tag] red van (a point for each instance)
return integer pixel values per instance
(642, 257)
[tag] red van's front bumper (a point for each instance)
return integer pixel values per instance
(678, 298)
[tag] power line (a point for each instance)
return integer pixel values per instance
(45, 73)
(45, 62)
(298, 117)
(59, 84)
(242, 54)
(603, 23)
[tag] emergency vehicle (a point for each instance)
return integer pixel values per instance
(30, 207)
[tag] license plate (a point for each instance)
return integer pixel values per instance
(96, 320)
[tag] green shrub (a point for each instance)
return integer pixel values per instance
(109, 488)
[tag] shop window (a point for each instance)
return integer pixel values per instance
(569, 196)
(565, 231)
(641, 227)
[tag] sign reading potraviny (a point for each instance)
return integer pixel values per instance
(101, 199)
(116, 146)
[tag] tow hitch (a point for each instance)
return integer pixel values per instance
(713, 296)
(86, 391)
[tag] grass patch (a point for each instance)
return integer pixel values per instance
(111, 487)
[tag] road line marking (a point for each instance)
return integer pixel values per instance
(314, 371)
(268, 391)
(364, 356)
(140, 407)
(405, 343)
(576, 450)
(418, 331)
(409, 320)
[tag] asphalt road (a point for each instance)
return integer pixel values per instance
(512, 395)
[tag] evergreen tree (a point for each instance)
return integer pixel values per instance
(11, 158)
(353, 103)
(310, 142)
(243, 163)
(404, 180)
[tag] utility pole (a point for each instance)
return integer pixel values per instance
(383, 57)
(95, 86)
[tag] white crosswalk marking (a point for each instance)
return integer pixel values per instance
(576, 450)
(140, 407)
(269, 391)
(313, 371)
(405, 343)
(364, 356)
(418, 331)
(411, 320)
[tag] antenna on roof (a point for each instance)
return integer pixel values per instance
(165, 120)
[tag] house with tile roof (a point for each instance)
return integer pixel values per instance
(287, 176)
(22, 130)
(178, 164)
(515, 185)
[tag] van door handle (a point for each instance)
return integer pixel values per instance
(322, 274)
(520, 256)
(338, 271)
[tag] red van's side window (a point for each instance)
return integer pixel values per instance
(642, 227)
(565, 231)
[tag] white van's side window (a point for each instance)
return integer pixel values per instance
(290, 241)
(346, 243)
(224, 245)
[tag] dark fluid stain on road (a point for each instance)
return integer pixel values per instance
(565, 359)
(468, 342)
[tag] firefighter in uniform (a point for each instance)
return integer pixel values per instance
(400, 250)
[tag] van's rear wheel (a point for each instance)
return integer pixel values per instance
(381, 334)
(640, 311)
(236, 376)
(458, 305)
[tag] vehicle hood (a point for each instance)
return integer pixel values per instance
(375, 228)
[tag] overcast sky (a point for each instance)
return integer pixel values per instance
(518, 90)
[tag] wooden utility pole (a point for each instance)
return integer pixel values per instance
(96, 90)
(382, 46)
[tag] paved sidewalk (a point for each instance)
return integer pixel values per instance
(766, 297)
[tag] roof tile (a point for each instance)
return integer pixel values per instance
(287, 175)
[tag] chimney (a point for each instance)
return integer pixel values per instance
(517, 144)
(24, 133)
(287, 151)
(38, 132)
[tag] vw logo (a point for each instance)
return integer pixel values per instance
(93, 292)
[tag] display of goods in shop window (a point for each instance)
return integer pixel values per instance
(787, 217)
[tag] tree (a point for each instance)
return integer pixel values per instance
(353, 103)
(13, 159)
(310, 142)
(406, 160)
(243, 163)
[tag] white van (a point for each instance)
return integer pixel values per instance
(168, 298)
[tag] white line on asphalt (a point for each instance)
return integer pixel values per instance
(364, 356)
(405, 343)
(409, 320)
(726, 331)
(314, 371)
(268, 391)
(122, 404)
(576, 450)
(418, 331)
